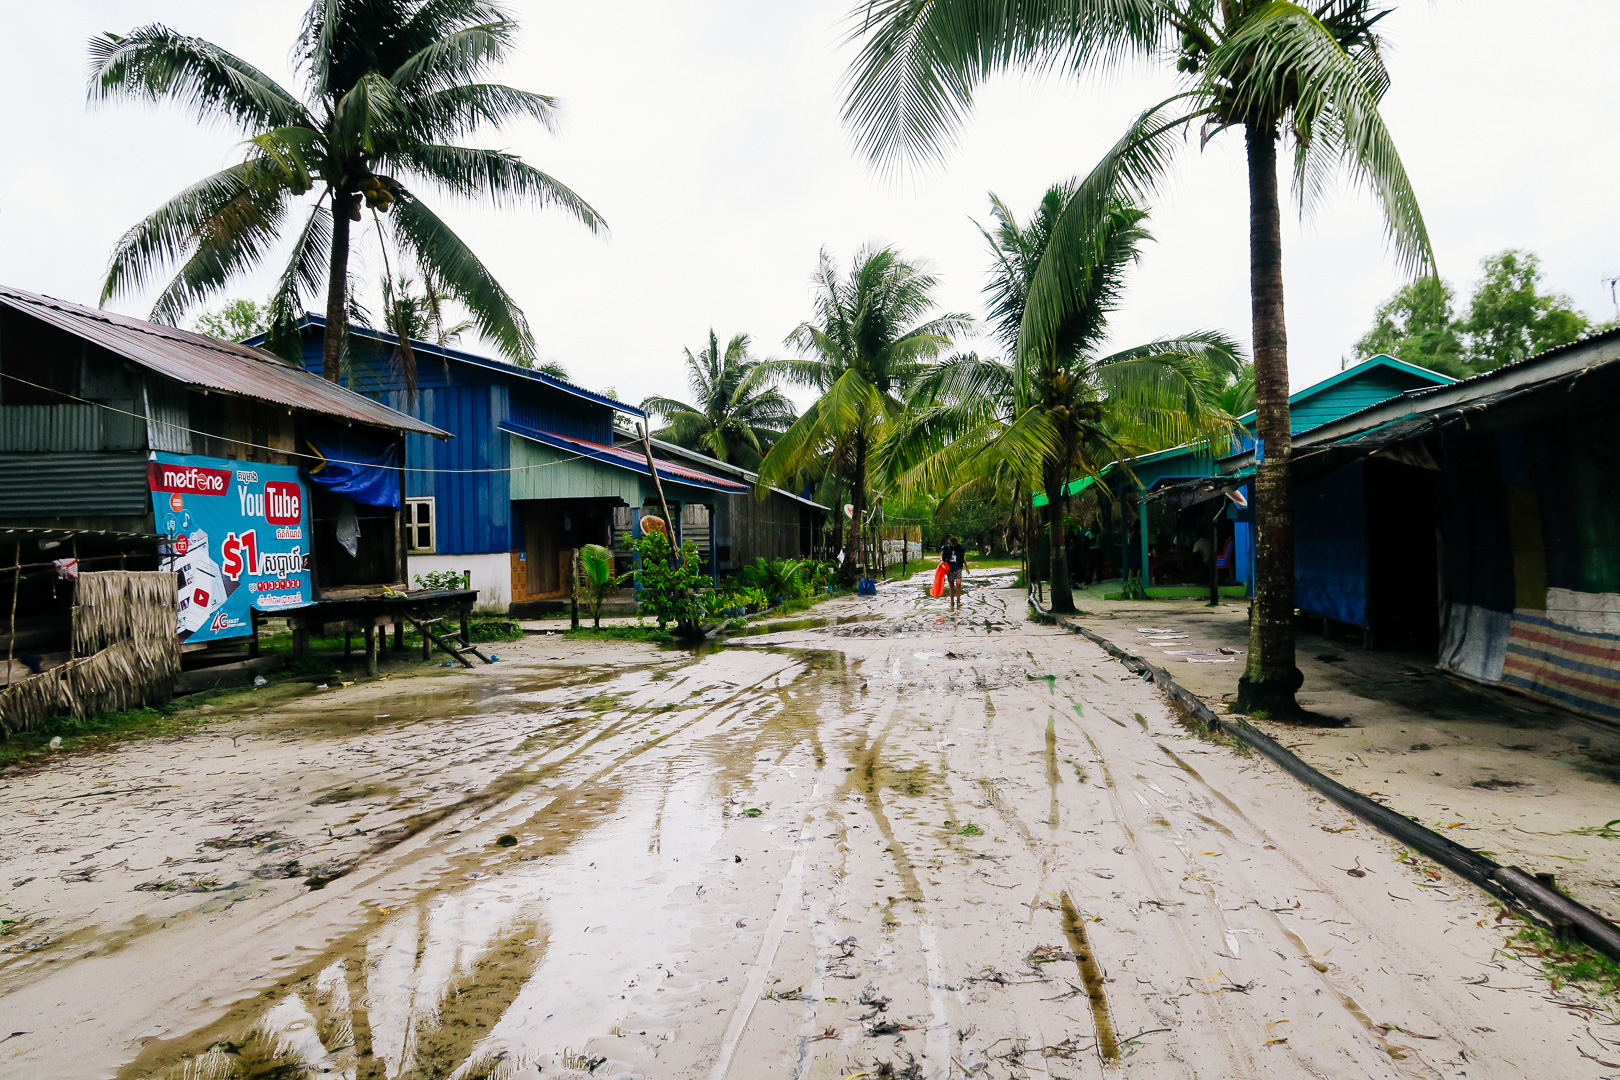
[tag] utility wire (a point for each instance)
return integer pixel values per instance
(277, 449)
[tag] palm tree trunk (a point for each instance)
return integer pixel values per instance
(337, 281)
(1062, 595)
(1271, 678)
(857, 498)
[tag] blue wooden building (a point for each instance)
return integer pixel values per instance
(532, 473)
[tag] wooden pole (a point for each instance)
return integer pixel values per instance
(658, 485)
(16, 586)
(371, 648)
(573, 589)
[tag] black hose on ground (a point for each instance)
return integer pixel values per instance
(1523, 891)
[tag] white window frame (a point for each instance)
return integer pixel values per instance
(412, 525)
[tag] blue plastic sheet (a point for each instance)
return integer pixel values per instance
(1330, 546)
(358, 466)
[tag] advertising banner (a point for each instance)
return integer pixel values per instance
(239, 539)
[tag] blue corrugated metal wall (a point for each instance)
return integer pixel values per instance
(473, 507)
(538, 407)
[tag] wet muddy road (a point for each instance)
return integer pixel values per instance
(923, 845)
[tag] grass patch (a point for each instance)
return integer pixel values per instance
(349, 794)
(1566, 962)
(620, 633)
(975, 562)
(162, 720)
(1182, 592)
(1608, 832)
(969, 829)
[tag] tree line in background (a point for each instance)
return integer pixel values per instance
(1506, 319)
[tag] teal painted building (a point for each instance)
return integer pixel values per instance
(1164, 538)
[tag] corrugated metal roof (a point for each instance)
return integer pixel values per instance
(624, 459)
(749, 477)
(428, 348)
(216, 365)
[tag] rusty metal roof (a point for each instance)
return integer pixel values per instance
(202, 361)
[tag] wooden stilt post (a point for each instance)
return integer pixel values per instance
(16, 586)
(371, 649)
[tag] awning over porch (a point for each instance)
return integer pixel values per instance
(546, 465)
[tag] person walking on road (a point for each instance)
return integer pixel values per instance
(955, 560)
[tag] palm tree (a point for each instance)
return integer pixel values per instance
(1063, 408)
(737, 414)
(1275, 69)
(869, 341)
(389, 84)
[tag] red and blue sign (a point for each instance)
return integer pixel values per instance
(239, 539)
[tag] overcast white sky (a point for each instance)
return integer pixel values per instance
(708, 134)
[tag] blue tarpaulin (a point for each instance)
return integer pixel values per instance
(1330, 546)
(360, 467)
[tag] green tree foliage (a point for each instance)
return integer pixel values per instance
(736, 412)
(420, 314)
(1508, 319)
(237, 320)
(1418, 325)
(389, 86)
(870, 340)
(1236, 396)
(1064, 408)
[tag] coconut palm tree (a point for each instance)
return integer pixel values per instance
(737, 412)
(388, 86)
(869, 341)
(1062, 408)
(1280, 71)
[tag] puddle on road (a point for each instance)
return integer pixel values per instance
(522, 952)
(1074, 928)
(783, 626)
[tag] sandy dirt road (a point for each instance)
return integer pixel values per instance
(918, 845)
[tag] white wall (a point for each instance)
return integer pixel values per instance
(491, 575)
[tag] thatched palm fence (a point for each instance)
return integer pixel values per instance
(126, 652)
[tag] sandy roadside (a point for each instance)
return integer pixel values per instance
(937, 844)
(1497, 772)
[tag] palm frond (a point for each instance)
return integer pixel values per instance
(1284, 62)
(302, 276)
(912, 84)
(461, 273)
(502, 179)
(238, 208)
(153, 63)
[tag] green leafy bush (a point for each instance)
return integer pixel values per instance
(672, 590)
(779, 579)
(442, 579)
